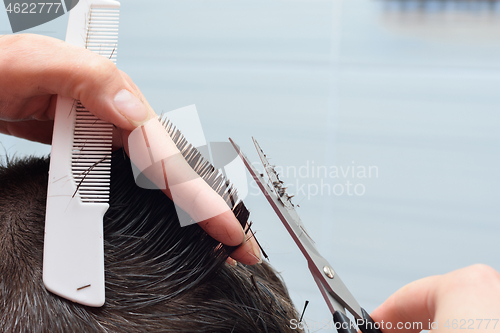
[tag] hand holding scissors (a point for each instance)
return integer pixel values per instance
(336, 295)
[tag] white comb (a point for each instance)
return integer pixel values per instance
(79, 175)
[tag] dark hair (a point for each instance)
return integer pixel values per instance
(159, 277)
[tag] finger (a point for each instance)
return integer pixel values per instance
(414, 303)
(137, 91)
(74, 72)
(33, 130)
(248, 253)
(468, 293)
(155, 154)
(224, 227)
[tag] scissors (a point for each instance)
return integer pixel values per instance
(336, 295)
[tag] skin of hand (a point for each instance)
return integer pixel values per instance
(465, 300)
(35, 69)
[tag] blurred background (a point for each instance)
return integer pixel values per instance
(397, 100)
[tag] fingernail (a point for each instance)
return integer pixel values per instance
(231, 261)
(131, 107)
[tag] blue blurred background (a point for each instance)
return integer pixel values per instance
(408, 88)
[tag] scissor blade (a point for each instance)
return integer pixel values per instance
(331, 302)
(285, 210)
(282, 206)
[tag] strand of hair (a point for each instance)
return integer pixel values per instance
(304, 310)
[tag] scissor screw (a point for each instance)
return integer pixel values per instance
(328, 271)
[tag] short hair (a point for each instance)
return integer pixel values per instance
(160, 277)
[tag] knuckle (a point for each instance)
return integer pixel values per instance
(483, 273)
(471, 278)
(95, 72)
(125, 76)
(102, 69)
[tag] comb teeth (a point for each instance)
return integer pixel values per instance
(201, 166)
(102, 32)
(91, 156)
(92, 140)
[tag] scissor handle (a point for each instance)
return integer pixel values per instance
(344, 325)
(368, 325)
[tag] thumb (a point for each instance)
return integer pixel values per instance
(41, 65)
(458, 300)
(411, 308)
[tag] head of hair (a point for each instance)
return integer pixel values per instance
(160, 277)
